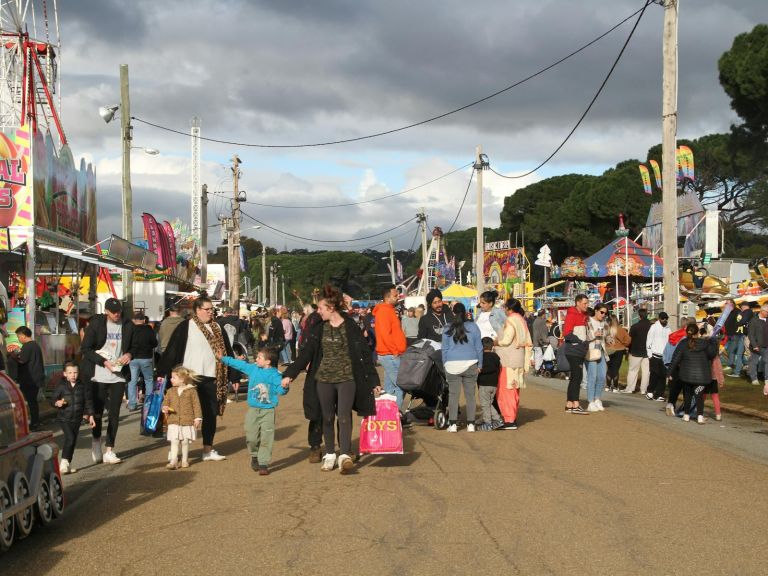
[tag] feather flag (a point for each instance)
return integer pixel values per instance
(646, 177)
(168, 229)
(152, 237)
(681, 162)
(687, 155)
(656, 173)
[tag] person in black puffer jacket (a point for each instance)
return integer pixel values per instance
(74, 402)
(693, 359)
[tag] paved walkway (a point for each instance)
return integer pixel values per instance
(627, 491)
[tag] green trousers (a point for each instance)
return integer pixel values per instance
(260, 433)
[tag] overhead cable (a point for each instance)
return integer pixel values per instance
(326, 241)
(413, 125)
(591, 103)
(462, 201)
(361, 201)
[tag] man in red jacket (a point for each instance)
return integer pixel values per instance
(575, 331)
(390, 341)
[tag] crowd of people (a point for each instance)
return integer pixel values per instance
(484, 356)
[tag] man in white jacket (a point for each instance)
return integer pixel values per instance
(658, 336)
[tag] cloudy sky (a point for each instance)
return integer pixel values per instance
(307, 71)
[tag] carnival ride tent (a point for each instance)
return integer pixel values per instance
(623, 257)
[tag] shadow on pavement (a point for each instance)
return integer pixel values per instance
(36, 554)
(528, 415)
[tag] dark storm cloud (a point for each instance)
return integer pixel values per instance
(111, 21)
(302, 71)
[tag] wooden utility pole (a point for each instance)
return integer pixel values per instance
(234, 240)
(480, 240)
(392, 262)
(669, 161)
(204, 236)
(125, 129)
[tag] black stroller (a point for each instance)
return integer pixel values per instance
(422, 376)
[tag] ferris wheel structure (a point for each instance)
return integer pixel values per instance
(30, 67)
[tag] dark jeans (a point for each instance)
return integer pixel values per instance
(689, 391)
(577, 375)
(675, 387)
(658, 381)
(315, 433)
(109, 395)
(614, 365)
(206, 392)
(336, 400)
(71, 430)
(30, 392)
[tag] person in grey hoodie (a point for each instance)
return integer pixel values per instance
(462, 353)
(540, 338)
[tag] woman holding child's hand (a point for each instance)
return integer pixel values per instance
(341, 377)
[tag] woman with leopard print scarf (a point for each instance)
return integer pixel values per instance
(195, 344)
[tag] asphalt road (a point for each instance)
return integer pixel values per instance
(627, 491)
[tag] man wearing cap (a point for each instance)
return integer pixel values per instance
(437, 317)
(142, 353)
(655, 342)
(105, 366)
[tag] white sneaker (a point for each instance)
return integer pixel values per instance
(686, 418)
(755, 383)
(213, 456)
(329, 461)
(700, 419)
(96, 453)
(592, 407)
(64, 466)
(453, 428)
(670, 409)
(346, 465)
(470, 427)
(649, 396)
(110, 458)
(600, 405)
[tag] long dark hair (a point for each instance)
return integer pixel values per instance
(489, 296)
(514, 305)
(456, 328)
(691, 332)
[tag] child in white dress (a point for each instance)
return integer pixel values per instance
(181, 406)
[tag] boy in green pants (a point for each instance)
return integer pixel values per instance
(264, 387)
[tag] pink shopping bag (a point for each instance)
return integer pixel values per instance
(383, 433)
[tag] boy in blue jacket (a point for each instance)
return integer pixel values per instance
(264, 387)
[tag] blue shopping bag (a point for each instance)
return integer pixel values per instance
(152, 407)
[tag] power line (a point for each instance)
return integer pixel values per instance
(462, 201)
(415, 124)
(326, 241)
(591, 103)
(362, 201)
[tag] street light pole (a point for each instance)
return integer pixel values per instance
(125, 128)
(264, 273)
(234, 240)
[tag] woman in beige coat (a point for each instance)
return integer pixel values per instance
(515, 351)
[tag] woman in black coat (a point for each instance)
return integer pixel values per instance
(693, 360)
(341, 377)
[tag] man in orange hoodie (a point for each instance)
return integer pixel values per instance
(390, 341)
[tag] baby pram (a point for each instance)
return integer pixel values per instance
(549, 367)
(421, 375)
